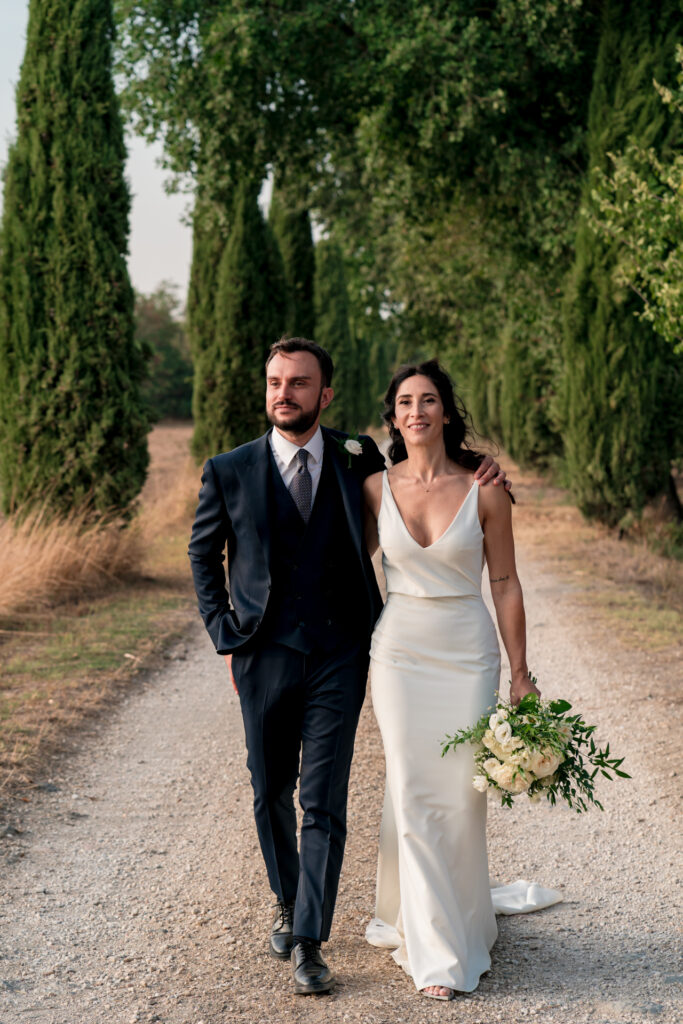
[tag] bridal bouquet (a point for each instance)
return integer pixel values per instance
(538, 749)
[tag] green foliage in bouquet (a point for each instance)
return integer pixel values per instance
(538, 749)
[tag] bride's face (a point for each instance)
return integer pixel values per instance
(418, 411)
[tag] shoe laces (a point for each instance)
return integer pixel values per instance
(286, 912)
(309, 951)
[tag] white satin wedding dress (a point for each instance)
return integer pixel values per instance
(435, 668)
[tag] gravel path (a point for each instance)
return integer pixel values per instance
(132, 888)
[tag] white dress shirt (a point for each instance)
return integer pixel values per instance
(285, 454)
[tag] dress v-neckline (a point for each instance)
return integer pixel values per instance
(426, 547)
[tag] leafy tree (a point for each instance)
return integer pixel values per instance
(235, 87)
(249, 312)
(638, 203)
(291, 225)
(73, 424)
(621, 389)
(168, 388)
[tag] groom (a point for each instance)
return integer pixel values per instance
(297, 620)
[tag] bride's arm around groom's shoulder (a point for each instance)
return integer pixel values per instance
(495, 511)
(372, 500)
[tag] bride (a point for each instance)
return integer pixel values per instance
(435, 667)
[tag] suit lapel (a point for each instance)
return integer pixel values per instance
(259, 496)
(349, 487)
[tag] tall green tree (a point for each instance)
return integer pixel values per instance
(333, 332)
(622, 409)
(209, 238)
(291, 225)
(249, 312)
(73, 424)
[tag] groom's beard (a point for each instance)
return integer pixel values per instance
(299, 424)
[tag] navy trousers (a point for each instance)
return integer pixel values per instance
(300, 716)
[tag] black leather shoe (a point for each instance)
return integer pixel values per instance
(311, 973)
(281, 937)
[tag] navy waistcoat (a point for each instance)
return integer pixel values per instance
(318, 594)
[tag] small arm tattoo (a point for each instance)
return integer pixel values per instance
(499, 579)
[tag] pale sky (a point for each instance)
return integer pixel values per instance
(160, 244)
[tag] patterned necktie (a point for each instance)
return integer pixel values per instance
(301, 487)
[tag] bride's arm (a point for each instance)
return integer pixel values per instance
(506, 589)
(372, 499)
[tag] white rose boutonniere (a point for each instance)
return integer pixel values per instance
(350, 446)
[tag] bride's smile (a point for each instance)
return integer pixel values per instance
(419, 412)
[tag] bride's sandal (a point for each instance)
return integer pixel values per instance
(436, 994)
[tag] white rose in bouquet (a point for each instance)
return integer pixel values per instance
(503, 733)
(480, 783)
(510, 779)
(508, 749)
(544, 763)
(502, 751)
(525, 758)
(498, 716)
(490, 741)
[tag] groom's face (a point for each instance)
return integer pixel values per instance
(295, 393)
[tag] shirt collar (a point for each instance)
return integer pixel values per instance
(288, 451)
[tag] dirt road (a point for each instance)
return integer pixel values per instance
(132, 888)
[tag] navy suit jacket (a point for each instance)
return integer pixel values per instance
(233, 508)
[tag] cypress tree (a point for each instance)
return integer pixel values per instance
(291, 225)
(72, 421)
(249, 312)
(208, 245)
(334, 333)
(621, 414)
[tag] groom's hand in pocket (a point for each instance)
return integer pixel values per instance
(228, 662)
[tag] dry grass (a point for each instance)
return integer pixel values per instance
(47, 560)
(85, 607)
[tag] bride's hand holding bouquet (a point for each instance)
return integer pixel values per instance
(521, 685)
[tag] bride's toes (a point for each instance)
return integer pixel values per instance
(438, 992)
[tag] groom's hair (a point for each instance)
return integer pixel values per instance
(288, 345)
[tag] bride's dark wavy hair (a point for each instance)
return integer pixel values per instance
(457, 433)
